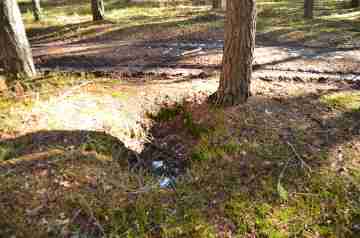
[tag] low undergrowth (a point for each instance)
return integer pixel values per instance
(283, 165)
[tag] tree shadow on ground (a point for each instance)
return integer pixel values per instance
(39, 141)
(144, 47)
(295, 149)
(84, 32)
(41, 35)
(70, 5)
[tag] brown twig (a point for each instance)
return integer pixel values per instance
(303, 163)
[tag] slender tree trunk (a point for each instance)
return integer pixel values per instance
(98, 10)
(308, 9)
(15, 52)
(223, 4)
(36, 10)
(239, 46)
(216, 4)
(355, 3)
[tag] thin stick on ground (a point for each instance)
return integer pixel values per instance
(303, 163)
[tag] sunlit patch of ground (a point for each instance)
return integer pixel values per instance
(116, 108)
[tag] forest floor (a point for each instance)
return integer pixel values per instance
(115, 137)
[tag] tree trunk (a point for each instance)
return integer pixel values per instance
(239, 46)
(216, 4)
(15, 52)
(308, 9)
(36, 10)
(223, 4)
(98, 10)
(355, 3)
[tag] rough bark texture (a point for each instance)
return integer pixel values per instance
(98, 10)
(15, 52)
(308, 9)
(239, 46)
(36, 9)
(216, 4)
(355, 3)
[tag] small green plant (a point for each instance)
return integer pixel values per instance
(5, 153)
(343, 100)
(166, 113)
(195, 129)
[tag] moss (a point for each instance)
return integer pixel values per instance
(145, 218)
(119, 95)
(166, 113)
(5, 152)
(343, 100)
(195, 129)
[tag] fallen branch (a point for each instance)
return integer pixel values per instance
(282, 192)
(303, 163)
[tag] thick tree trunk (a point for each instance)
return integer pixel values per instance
(98, 10)
(239, 46)
(216, 4)
(36, 10)
(308, 9)
(355, 3)
(15, 52)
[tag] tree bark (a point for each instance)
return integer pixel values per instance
(223, 4)
(98, 10)
(355, 3)
(15, 52)
(36, 9)
(216, 4)
(239, 46)
(308, 9)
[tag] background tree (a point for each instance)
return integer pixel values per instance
(98, 10)
(239, 46)
(15, 52)
(355, 3)
(36, 9)
(216, 4)
(308, 9)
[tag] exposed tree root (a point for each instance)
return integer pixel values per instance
(227, 99)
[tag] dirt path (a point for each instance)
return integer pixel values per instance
(195, 57)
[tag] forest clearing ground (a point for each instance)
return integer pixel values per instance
(75, 175)
(76, 148)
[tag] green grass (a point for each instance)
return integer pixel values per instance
(283, 20)
(279, 20)
(343, 100)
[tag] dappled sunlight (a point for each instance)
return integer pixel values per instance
(116, 108)
(89, 111)
(116, 135)
(351, 16)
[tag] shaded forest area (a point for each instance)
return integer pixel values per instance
(122, 118)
